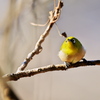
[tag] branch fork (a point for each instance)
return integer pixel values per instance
(21, 72)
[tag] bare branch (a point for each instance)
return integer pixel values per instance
(54, 16)
(35, 71)
(40, 24)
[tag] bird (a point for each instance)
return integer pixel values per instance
(71, 51)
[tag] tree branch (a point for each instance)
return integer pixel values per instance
(54, 16)
(35, 71)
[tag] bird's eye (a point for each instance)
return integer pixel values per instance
(73, 41)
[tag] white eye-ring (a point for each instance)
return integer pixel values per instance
(73, 41)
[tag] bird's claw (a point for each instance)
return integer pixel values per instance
(67, 64)
(84, 60)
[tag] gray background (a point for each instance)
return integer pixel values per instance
(79, 18)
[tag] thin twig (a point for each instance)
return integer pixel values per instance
(54, 16)
(35, 71)
(34, 24)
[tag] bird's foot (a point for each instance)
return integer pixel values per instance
(67, 64)
(84, 60)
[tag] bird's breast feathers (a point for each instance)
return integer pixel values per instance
(72, 57)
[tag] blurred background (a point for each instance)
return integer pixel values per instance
(79, 18)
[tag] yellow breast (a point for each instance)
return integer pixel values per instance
(72, 57)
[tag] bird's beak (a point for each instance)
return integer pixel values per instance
(69, 39)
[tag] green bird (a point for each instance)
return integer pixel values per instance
(71, 50)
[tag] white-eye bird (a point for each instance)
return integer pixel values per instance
(71, 50)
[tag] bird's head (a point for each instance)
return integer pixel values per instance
(72, 42)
